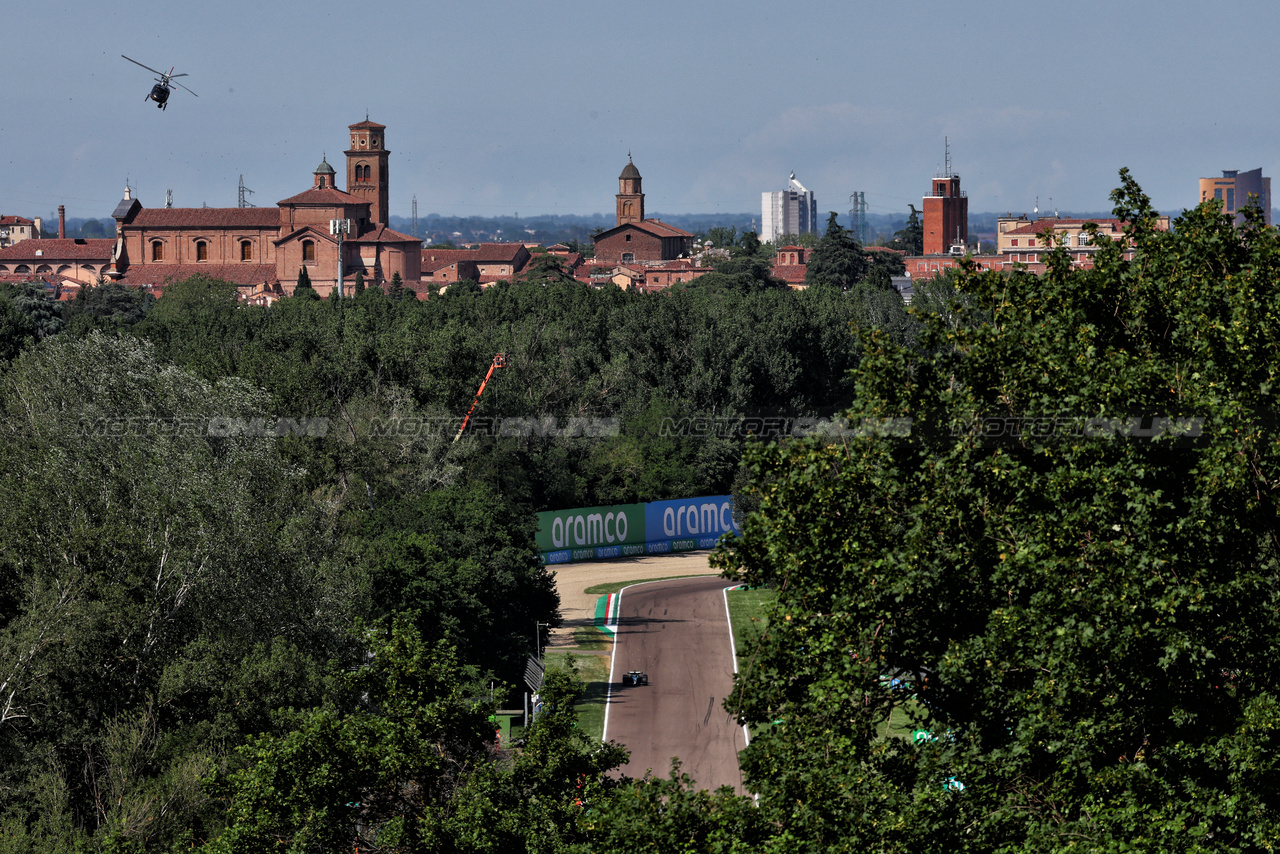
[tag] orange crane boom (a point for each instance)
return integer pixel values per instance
(499, 361)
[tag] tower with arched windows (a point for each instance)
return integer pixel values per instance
(367, 168)
(630, 196)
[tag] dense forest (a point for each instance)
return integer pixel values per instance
(253, 593)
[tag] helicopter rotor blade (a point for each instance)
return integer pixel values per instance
(180, 86)
(149, 68)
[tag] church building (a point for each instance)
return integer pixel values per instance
(636, 240)
(261, 249)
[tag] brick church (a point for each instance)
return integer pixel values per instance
(636, 240)
(261, 250)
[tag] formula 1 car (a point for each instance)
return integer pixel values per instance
(635, 677)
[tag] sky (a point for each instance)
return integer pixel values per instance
(500, 107)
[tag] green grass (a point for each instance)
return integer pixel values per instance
(593, 670)
(747, 610)
(590, 638)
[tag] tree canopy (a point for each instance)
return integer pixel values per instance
(1050, 542)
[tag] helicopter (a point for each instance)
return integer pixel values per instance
(160, 91)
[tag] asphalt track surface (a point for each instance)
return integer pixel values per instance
(678, 632)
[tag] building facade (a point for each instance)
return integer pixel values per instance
(945, 221)
(790, 211)
(635, 239)
(263, 249)
(1236, 190)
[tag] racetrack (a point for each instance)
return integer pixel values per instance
(578, 608)
(678, 632)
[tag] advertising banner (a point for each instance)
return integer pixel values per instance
(628, 530)
(687, 523)
(591, 533)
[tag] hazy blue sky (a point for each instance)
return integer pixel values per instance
(498, 107)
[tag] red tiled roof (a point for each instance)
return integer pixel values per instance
(315, 196)
(497, 253)
(60, 249)
(16, 220)
(382, 234)
(660, 228)
(207, 218)
(1042, 225)
(656, 227)
(435, 259)
(368, 124)
(792, 274)
(239, 274)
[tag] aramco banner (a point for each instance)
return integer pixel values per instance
(631, 530)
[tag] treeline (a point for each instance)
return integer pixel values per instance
(212, 515)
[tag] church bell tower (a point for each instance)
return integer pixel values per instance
(367, 168)
(630, 197)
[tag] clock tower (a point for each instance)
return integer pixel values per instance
(367, 168)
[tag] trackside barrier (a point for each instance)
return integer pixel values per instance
(633, 530)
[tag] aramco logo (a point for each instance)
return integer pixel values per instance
(589, 529)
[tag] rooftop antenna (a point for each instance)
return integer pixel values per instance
(245, 203)
(1036, 209)
(415, 215)
(168, 198)
(946, 146)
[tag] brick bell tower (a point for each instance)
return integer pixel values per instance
(367, 168)
(630, 197)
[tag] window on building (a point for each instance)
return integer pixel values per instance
(1066, 240)
(1231, 199)
(157, 250)
(628, 238)
(202, 250)
(246, 250)
(628, 257)
(308, 252)
(1013, 242)
(1217, 193)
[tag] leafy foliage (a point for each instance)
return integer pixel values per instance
(1086, 616)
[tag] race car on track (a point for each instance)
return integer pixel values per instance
(635, 677)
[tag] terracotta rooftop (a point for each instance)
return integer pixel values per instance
(60, 249)
(1048, 223)
(16, 220)
(314, 196)
(382, 234)
(161, 274)
(207, 218)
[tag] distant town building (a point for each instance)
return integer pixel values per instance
(1236, 190)
(946, 217)
(1027, 241)
(790, 211)
(635, 239)
(258, 249)
(15, 229)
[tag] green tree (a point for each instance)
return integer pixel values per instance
(379, 768)
(358, 286)
(304, 280)
(837, 260)
(911, 238)
(723, 237)
(1077, 605)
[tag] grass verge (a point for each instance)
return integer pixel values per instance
(593, 670)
